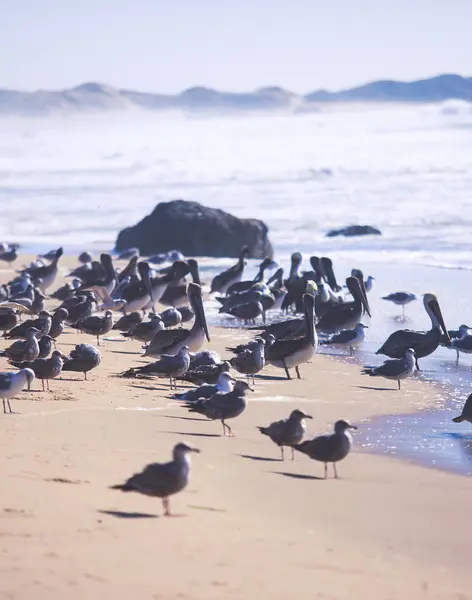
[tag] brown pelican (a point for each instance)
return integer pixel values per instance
(422, 342)
(232, 275)
(243, 286)
(12, 383)
(347, 314)
(287, 354)
(221, 407)
(162, 480)
(176, 292)
(47, 274)
(401, 299)
(397, 369)
(287, 432)
(347, 337)
(170, 341)
(329, 448)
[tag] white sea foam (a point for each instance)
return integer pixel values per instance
(404, 169)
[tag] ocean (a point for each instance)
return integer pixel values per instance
(406, 169)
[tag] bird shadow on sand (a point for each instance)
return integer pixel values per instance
(150, 388)
(126, 352)
(184, 418)
(271, 377)
(121, 514)
(377, 389)
(298, 476)
(185, 433)
(261, 458)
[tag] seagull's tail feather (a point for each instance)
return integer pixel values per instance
(458, 419)
(130, 373)
(123, 487)
(194, 406)
(368, 371)
(264, 430)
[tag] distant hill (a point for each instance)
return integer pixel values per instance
(98, 97)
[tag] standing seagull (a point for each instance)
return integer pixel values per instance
(24, 349)
(397, 369)
(162, 480)
(287, 432)
(95, 325)
(44, 368)
(171, 366)
(401, 299)
(329, 448)
(221, 407)
(12, 383)
(82, 359)
(347, 337)
(422, 342)
(466, 414)
(250, 362)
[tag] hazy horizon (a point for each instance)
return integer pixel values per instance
(155, 46)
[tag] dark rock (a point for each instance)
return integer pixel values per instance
(353, 230)
(195, 230)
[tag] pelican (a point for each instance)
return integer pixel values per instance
(289, 354)
(170, 341)
(347, 314)
(422, 342)
(232, 275)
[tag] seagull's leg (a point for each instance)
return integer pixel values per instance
(417, 365)
(403, 310)
(297, 371)
(4, 408)
(253, 380)
(282, 453)
(457, 359)
(9, 405)
(326, 471)
(165, 502)
(85, 375)
(98, 340)
(42, 381)
(335, 471)
(293, 454)
(351, 349)
(47, 385)
(230, 431)
(399, 385)
(286, 370)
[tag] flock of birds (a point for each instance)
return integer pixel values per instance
(291, 317)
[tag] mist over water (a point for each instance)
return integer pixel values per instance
(404, 169)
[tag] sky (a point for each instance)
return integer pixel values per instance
(235, 45)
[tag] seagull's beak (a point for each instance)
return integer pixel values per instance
(196, 450)
(308, 417)
(353, 427)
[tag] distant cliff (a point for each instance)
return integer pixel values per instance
(99, 97)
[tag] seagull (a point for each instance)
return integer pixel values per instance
(8, 319)
(206, 373)
(43, 368)
(287, 432)
(82, 359)
(127, 322)
(24, 349)
(45, 346)
(146, 330)
(347, 337)
(58, 323)
(223, 406)
(369, 283)
(171, 366)
(329, 448)
(398, 369)
(250, 362)
(466, 414)
(162, 480)
(95, 325)
(12, 383)
(401, 299)
(224, 385)
(462, 344)
(42, 323)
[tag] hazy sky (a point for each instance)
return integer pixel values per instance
(160, 45)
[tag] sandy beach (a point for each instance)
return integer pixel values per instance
(248, 525)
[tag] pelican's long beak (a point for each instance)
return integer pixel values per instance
(194, 293)
(436, 310)
(309, 303)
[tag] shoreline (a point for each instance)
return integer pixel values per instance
(252, 525)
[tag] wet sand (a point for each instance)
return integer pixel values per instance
(251, 525)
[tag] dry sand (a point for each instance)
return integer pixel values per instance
(251, 526)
